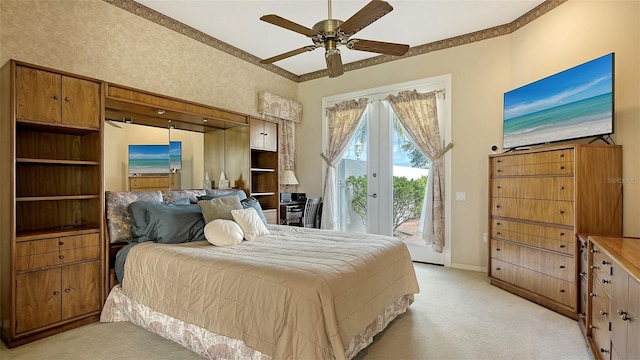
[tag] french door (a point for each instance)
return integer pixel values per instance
(381, 182)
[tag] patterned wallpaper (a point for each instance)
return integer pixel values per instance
(96, 39)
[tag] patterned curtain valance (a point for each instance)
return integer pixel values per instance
(279, 107)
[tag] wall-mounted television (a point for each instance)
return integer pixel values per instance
(149, 159)
(175, 155)
(572, 104)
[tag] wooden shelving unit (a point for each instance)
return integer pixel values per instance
(264, 166)
(51, 252)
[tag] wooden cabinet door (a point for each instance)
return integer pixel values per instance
(270, 136)
(38, 299)
(80, 289)
(633, 326)
(38, 95)
(619, 287)
(256, 133)
(80, 102)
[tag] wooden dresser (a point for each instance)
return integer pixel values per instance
(162, 182)
(538, 200)
(613, 297)
(51, 210)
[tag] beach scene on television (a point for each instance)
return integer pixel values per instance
(575, 103)
(149, 159)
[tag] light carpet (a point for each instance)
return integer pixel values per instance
(458, 315)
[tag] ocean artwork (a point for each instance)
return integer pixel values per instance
(575, 103)
(149, 159)
(175, 155)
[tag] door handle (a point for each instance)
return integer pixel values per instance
(374, 195)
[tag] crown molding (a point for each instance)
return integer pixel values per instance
(169, 23)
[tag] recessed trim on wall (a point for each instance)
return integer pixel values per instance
(505, 29)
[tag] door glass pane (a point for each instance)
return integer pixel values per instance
(352, 183)
(410, 169)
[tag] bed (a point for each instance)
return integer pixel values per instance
(294, 293)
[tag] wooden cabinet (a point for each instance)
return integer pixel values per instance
(51, 252)
(614, 315)
(264, 134)
(162, 182)
(265, 184)
(45, 96)
(539, 199)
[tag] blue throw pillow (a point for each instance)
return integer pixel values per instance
(254, 203)
(166, 223)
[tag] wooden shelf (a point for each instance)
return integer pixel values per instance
(61, 128)
(262, 193)
(55, 161)
(57, 198)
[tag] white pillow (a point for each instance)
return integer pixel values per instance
(250, 222)
(222, 232)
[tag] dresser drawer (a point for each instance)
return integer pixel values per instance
(550, 287)
(550, 188)
(600, 317)
(546, 237)
(271, 215)
(555, 265)
(56, 251)
(601, 268)
(556, 162)
(549, 211)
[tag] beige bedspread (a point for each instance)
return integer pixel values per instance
(295, 294)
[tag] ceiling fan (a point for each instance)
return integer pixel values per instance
(331, 33)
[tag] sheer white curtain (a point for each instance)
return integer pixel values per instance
(418, 114)
(342, 122)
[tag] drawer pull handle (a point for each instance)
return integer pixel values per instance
(582, 315)
(561, 167)
(498, 233)
(583, 273)
(603, 313)
(561, 211)
(605, 262)
(55, 293)
(55, 97)
(561, 246)
(594, 268)
(592, 294)
(499, 170)
(604, 350)
(561, 155)
(498, 269)
(497, 223)
(498, 249)
(67, 290)
(61, 257)
(67, 99)
(623, 315)
(594, 251)
(561, 266)
(562, 290)
(61, 243)
(497, 206)
(605, 281)
(499, 161)
(592, 327)
(561, 234)
(561, 187)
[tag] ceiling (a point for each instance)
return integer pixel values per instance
(412, 22)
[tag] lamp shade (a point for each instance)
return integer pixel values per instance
(288, 178)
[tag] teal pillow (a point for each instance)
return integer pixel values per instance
(240, 193)
(165, 222)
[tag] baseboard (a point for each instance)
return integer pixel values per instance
(469, 267)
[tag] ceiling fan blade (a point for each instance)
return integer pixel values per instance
(334, 62)
(366, 16)
(288, 54)
(288, 24)
(379, 47)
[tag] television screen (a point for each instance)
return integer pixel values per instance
(575, 103)
(148, 159)
(175, 155)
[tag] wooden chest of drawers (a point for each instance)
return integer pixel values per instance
(539, 199)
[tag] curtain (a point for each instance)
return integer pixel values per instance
(418, 114)
(343, 119)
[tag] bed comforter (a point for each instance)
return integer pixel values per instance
(294, 294)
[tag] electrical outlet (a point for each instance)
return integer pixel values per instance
(461, 196)
(485, 238)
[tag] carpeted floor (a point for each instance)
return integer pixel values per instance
(456, 316)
